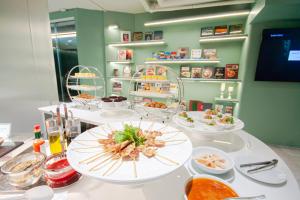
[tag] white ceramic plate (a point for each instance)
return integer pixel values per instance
(271, 176)
(201, 151)
(203, 128)
(147, 168)
(194, 170)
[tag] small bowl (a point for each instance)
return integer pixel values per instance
(26, 176)
(107, 104)
(187, 183)
(200, 151)
(58, 172)
(207, 121)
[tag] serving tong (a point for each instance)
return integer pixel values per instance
(263, 165)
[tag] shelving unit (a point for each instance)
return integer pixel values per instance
(152, 94)
(181, 61)
(121, 62)
(211, 80)
(223, 38)
(138, 43)
(227, 100)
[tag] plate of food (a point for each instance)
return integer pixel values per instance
(207, 123)
(184, 119)
(155, 105)
(212, 160)
(207, 187)
(130, 152)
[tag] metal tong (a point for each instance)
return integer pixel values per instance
(264, 165)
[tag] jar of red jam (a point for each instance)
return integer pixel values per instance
(58, 172)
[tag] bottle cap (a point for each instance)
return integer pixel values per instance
(37, 127)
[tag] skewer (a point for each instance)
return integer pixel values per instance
(108, 125)
(78, 151)
(169, 132)
(87, 147)
(97, 133)
(103, 129)
(179, 140)
(78, 142)
(98, 166)
(140, 122)
(111, 167)
(151, 125)
(134, 169)
(162, 128)
(116, 167)
(165, 158)
(92, 157)
(171, 136)
(94, 135)
(103, 155)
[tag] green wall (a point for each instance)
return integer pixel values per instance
(270, 110)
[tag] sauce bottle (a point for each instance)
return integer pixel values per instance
(38, 143)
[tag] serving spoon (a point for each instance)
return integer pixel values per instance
(37, 193)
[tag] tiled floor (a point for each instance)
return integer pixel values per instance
(292, 158)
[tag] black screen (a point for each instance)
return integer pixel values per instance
(279, 56)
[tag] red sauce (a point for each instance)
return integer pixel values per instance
(208, 189)
(60, 164)
(61, 179)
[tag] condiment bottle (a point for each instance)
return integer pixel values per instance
(53, 131)
(72, 129)
(38, 143)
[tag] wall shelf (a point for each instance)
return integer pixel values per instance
(139, 80)
(181, 61)
(120, 61)
(223, 38)
(138, 43)
(227, 100)
(152, 94)
(211, 80)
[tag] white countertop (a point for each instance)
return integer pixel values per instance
(171, 186)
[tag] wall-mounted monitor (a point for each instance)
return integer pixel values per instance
(279, 56)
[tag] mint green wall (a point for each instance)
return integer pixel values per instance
(270, 110)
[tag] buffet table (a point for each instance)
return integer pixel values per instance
(172, 185)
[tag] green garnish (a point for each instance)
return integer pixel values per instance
(129, 133)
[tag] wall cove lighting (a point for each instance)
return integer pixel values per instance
(137, 44)
(213, 39)
(198, 18)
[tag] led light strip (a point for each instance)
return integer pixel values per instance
(63, 35)
(121, 62)
(137, 44)
(180, 61)
(198, 18)
(222, 38)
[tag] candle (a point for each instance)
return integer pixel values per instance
(223, 85)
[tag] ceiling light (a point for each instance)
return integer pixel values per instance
(198, 18)
(113, 26)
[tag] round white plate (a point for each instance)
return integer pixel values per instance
(271, 176)
(200, 127)
(201, 151)
(194, 170)
(147, 168)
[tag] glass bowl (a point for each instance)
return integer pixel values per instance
(24, 170)
(58, 172)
